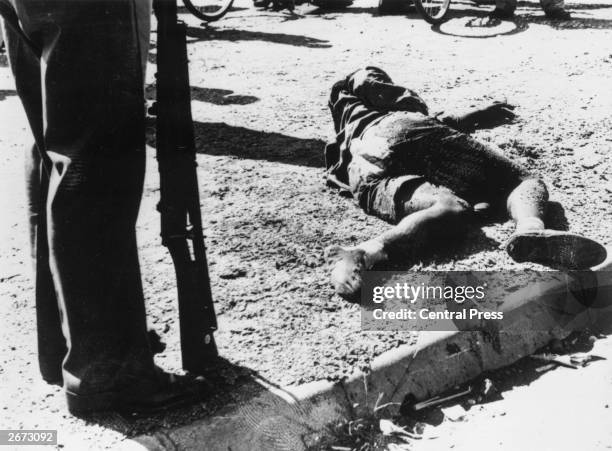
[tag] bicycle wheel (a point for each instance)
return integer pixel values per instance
(208, 10)
(433, 11)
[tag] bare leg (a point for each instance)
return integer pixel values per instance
(429, 213)
(533, 242)
(527, 205)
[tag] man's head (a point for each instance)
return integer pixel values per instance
(357, 78)
(371, 74)
(375, 87)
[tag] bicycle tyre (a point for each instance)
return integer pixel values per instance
(206, 15)
(430, 16)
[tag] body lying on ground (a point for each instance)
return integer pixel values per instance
(427, 176)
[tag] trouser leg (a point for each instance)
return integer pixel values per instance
(51, 342)
(143, 24)
(552, 5)
(93, 137)
(547, 5)
(508, 6)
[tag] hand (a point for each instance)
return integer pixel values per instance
(491, 116)
(488, 117)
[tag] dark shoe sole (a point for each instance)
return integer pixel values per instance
(556, 249)
(79, 405)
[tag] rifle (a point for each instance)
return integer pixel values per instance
(179, 205)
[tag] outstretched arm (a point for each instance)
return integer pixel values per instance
(497, 113)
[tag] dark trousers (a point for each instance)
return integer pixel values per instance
(84, 101)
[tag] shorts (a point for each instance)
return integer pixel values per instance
(403, 150)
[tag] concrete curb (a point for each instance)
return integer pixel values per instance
(268, 418)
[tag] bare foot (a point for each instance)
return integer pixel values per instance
(348, 264)
(556, 248)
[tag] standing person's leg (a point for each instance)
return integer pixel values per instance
(555, 9)
(94, 139)
(143, 25)
(504, 9)
(51, 343)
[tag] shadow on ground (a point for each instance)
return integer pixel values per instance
(225, 379)
(555, 217)
(217, 138)
(405, 8)
(441, 251)
(570, 7)
(577, 23)
(220, 139)
(233, 9)
(4, 93)
(477, 18)
(220, 96)
(233, 35)
(209, 95)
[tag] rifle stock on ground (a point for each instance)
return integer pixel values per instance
(179, 206)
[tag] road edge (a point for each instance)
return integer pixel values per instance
(265, 417)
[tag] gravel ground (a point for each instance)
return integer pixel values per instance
(260, 82)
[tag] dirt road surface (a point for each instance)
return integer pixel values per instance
(260, 81)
